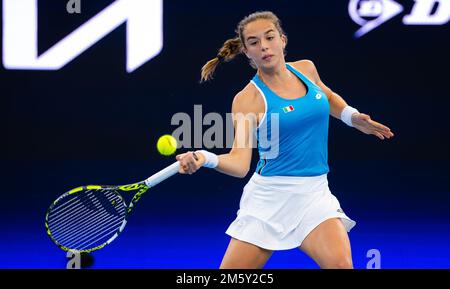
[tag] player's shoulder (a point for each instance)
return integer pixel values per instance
(247, 99)
(306, 67)
(303, 63)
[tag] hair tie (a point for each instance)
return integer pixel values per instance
(220, 58)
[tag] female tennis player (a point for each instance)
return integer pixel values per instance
(287, 202)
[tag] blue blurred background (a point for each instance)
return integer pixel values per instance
(91, 122)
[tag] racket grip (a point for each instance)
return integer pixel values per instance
(163, 174)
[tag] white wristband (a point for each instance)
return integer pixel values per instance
(211, 160)
(346, 115)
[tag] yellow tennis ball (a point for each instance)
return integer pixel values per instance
(166, 145)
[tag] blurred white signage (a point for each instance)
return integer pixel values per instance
(370, 14)
(144, 34)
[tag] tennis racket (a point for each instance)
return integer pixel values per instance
(88, 218)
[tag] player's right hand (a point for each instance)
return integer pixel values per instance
(190, 162)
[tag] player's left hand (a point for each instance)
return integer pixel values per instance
(364, 123)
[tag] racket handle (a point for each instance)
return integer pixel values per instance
(163, 174)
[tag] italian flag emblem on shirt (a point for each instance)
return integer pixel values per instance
(288, 109)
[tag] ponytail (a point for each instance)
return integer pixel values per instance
(233, 47)
(229, 50)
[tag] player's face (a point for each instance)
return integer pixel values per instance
(263, 43)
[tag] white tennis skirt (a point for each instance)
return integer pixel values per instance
(278, 212)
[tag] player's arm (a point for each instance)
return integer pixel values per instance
(360, 121)
(237, 162)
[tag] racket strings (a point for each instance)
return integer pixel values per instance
(85, 220)
(64, 219)
(90, 201)
(89, 227)
(84, 226)
(73, 206)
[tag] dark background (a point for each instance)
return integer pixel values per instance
(93, 123)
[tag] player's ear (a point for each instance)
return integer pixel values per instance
(245, 51)
(284, 40)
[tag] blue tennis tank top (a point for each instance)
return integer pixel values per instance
(299, 147)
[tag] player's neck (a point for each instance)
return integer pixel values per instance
(275, 76)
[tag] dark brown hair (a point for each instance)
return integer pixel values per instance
(233, 46)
